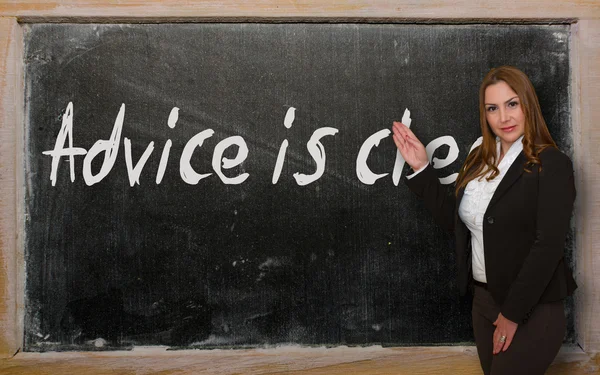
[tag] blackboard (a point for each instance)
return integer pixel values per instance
(303, 251)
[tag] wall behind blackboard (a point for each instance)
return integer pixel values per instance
(336, 261)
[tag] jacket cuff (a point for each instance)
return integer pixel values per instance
(409, 176)
(516, 314)
(419, 181)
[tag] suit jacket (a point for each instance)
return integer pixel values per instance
(524, 231)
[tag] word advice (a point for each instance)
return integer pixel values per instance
(109, 149)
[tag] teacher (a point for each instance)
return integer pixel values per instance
(510, 215)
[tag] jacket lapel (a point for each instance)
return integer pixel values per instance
(512, 175)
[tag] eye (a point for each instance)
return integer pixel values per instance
(491, 108)
(513, 104)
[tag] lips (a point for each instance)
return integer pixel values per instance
(509, 129)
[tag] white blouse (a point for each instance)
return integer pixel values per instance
(477, 197)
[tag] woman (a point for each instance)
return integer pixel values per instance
(510, 215)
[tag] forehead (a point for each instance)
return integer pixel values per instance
(498, 93)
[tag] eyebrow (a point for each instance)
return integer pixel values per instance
(505, 101)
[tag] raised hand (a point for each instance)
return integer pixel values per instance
(410, 147)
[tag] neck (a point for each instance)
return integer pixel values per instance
(504, 147)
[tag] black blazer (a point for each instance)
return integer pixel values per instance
(524, 231)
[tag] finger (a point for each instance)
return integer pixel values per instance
(411, 138)
(397, 132)
(410, 132)
(506, 344)
(401, 132)
(495, 339)
(509, 337)
(414, 142)
(410, 144)
(403, 129)
(402, 144)
(399, 140)
(400, 129)
(497, 344)
(403, 147)
(399, 143)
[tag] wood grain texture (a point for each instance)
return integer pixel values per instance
(357, 361)
(311, 9)
(284, 360)
(587, 162)
(11, 112)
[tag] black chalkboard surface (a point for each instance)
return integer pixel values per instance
(197, 184)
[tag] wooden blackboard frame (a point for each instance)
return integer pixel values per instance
(585, 57)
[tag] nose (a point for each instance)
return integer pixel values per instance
(503, 115)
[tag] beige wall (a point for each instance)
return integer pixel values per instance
(584, 14)
(587, 163)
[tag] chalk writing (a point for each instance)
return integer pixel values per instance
(110, 148)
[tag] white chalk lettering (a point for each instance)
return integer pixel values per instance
(363, 172)
(110, 148)
(449, 159)
(164, 158)
(230, 163)
(287, 122)
(317, 151)
(290, 116)
(134, 172)
(66, 130)
(173, 117)
(187, 173)
(279, 162)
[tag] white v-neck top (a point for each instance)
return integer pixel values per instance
(477, 196)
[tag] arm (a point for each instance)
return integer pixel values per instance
(438, 198)
(556, 194)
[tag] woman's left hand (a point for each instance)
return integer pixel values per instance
(504, 328)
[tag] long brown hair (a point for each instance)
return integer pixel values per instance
(482, 160)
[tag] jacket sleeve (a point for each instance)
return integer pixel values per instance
(439, 199)
(556, 195)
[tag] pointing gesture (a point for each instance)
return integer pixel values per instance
(410, 147)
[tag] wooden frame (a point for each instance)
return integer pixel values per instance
(585, 58)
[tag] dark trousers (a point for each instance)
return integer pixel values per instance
(534, 346)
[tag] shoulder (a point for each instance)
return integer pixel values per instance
(555, 161)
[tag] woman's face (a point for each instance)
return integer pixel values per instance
(504, 113)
